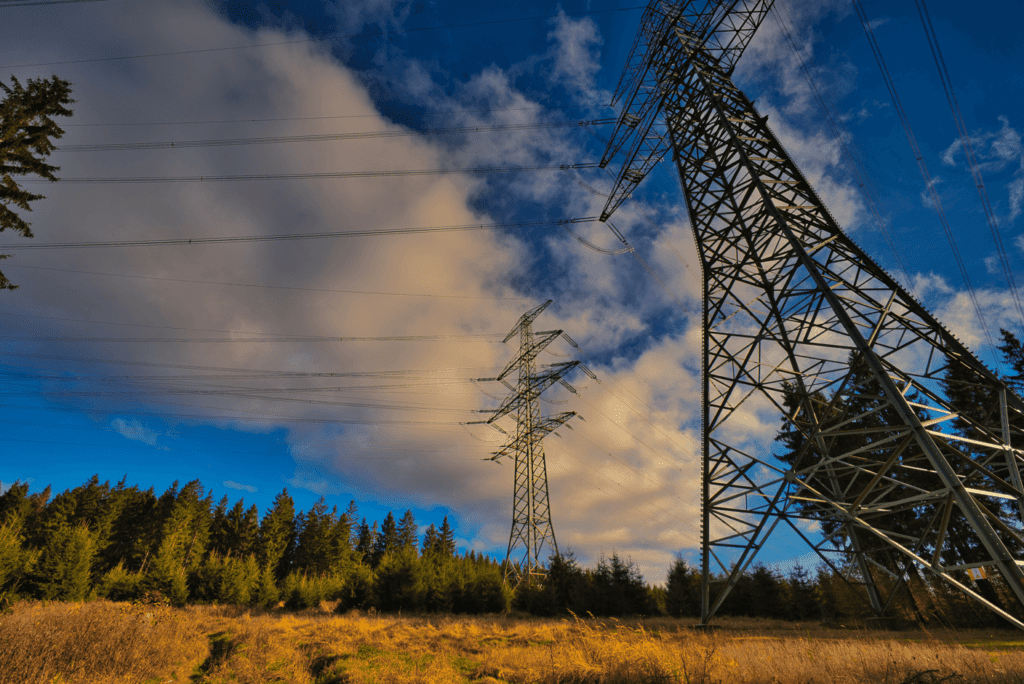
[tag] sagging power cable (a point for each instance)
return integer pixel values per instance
(922, 166)
(972, 160)
(327, 137)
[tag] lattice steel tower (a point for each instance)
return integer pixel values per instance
(532, 530)
(800, 322)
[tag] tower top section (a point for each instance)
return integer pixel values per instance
(670, 34)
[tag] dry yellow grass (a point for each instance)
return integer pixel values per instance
(117, 643)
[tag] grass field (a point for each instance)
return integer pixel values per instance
(101, 642)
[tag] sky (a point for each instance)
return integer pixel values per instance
(349, 367)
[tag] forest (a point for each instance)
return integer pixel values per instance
(122, 543)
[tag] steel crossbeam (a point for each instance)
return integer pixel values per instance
(803, 328)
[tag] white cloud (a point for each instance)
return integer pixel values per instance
(230, 484)
(575, 54)
(1015, 189)
(134, 430)
(994, 150)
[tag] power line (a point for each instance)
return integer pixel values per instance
(258, 417)
(387, 113)
(261, 340)
(965, 139)
(6, 3)
(922, 166)
(848, 152)
(314, 40)
(326, 137)
(292, 236)
(268, 287)
(317, 175)
(250, 373)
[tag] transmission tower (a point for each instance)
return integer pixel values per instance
(531, 513)
(800, 323)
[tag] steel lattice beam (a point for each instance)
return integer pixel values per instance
(532, 535)
(800, 323)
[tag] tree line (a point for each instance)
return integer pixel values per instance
(123, 543)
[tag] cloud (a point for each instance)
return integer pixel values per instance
(134, 430)
(994, 150)
(390, 424)
(240, 487)
(1015, 190)
(575, 54)
(392, 434)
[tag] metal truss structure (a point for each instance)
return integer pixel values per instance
(532, 530)
(897, 454)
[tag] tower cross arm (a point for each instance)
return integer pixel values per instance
(669, 33)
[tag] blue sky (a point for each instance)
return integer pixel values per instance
(181, 361)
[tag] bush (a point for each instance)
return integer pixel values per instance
(119, 585)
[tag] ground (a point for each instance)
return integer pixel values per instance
(100, 642)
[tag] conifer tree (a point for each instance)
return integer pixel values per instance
(387, 541)
(399, 581)
(407, 531)
(118, 584)
(15, 559)
(183, 541)
(27, 132)
(219, 534)
(135, 531)
(318, 550)
(264, 592)
(277, 535)
(803, 603)
(63, 571)
(365, 541)
(430, 544)
(446, 539)
(13, 503)
(682, 593)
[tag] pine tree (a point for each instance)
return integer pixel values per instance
(27, 132)
(446, 539)
(277, 535)
(407, 531)
(682, 595)
(803, 604)
(15, 560)
(135, 531)
(399, 581)
(563, 584)
(63, 571)
(429, 541)
(265, 593)
(387, 541)
(365, 540)
(318, 550)
(219, 534)
(183, 540)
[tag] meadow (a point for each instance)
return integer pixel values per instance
(120, 643)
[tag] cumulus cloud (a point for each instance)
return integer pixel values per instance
(230, 484)
(389, 429)
(390, 422)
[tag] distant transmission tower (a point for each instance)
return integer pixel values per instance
(799, 323)
(531, 512)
